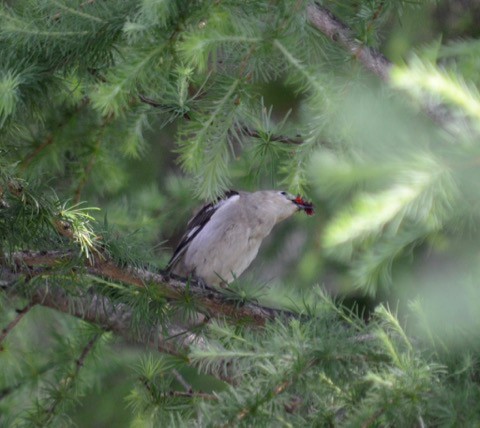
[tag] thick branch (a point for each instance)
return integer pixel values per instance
(324, 20)
(173, 339)
(101, 311)
(209, 300)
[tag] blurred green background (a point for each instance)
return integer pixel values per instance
(425, 256)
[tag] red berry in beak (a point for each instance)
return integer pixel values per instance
(304, 205)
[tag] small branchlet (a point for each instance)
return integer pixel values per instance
(75, 223)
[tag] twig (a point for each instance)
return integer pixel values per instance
(278, 389)
(150, 102)
(86, 350)
(26, 162)
(5, 392)
(182, 394)
(181, 380)
(165, 107)
(87, 171)
(49, 140)
(245, 130)
(373, 418)
(326, 22)
(375, 15)
(249, 132)
(67, 382)
(85, 3)
(273, 393)
(202, 395)
(20, 314)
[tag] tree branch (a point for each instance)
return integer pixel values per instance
(114, 317)
(101, 311)
(327, 23)
(67, 382)
(244, 130)
(253, 133)
(26, 162)
(209, 300)
(20, 314)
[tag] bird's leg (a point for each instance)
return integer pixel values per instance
(201, 283)
(224, 282)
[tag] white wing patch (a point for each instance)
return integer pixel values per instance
(192, 231)
(225, 202)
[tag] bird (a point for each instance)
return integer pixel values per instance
(224, 237)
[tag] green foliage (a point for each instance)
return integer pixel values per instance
(304, 367)
(136, 108)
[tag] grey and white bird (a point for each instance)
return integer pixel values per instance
(224, 237)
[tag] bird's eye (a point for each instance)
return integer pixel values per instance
(283, 193)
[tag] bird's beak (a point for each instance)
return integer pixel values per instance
(304, 205)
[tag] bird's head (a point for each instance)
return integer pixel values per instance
(284, 204)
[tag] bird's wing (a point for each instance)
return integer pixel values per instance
(196, 224)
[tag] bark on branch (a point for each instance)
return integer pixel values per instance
(101, 311)
(327, 23)
(210, 301)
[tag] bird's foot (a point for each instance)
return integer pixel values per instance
(202, 283)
